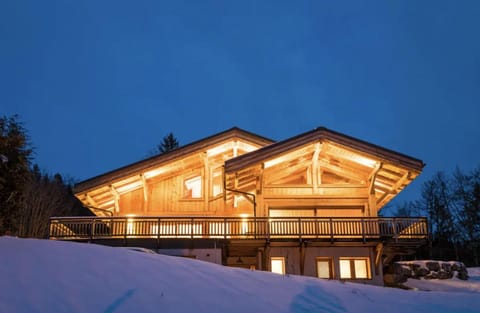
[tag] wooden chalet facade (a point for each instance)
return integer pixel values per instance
(307, 205)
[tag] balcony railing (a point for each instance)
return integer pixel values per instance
(90, 228)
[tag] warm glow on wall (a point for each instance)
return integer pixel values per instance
(244, 226)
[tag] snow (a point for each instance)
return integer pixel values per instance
(55, 276)
(450, 285)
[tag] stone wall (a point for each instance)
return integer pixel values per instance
(425, 270)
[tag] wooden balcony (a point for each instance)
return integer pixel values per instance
(297, 228)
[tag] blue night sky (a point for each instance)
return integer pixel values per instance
(99, 83)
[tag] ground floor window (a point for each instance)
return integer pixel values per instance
(355, 268)
(324, 268)
(278, 265)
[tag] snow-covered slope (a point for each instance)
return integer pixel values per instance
(53, 276)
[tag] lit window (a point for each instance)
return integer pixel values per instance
(361, 270)
(193, 187)
(354, 268)
(345, 270)
(217, 182)
(278, 265)
(324, 268)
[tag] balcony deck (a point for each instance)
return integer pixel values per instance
(231, 228)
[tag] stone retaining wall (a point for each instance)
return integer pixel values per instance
(425, 269)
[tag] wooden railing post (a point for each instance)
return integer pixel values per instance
(331, 230)
(225, 228)
(267, 230)
(92, 229)
(300, 229)
(362, 221)
(394, 229)
(158, 233)
(125, 230)
(191, 228)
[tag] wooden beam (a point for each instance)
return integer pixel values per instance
(341, 171)
(260, 183)
(235, 148)
(315, 174)
(206, 181)
(394, 188)
(145, 193)
(91, 201)
(116, 197)
(373, 177)
(281, 173)
(378, 257)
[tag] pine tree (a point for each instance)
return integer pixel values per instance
(15, 157)
(168, 144)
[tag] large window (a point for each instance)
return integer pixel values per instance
(278, 265)
(354, 268)
(192, 187)
(324, 268)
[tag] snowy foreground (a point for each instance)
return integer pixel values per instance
(53, 276)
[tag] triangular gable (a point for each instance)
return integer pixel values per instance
(340, 159)
(101, 192)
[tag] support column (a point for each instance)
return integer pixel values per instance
(302, 257)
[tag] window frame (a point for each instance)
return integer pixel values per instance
(215, 171)
(329, 260)
(354, 270)
(278, 258)
(195, 175)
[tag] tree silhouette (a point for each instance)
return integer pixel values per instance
(15, 157)
(169, 143)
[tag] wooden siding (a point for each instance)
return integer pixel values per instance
(308, 171)
(291, 191)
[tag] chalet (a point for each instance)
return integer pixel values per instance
(307, 205)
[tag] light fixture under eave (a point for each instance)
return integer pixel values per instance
(273, 162)
(220, 149)
(246, 147)
(366, 161)
(126, 188)
(153, 173)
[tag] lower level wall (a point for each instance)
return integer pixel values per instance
(213, 255)
(306, 265)
(298, 260)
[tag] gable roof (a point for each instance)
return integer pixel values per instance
(158, 160)
(319, 134)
